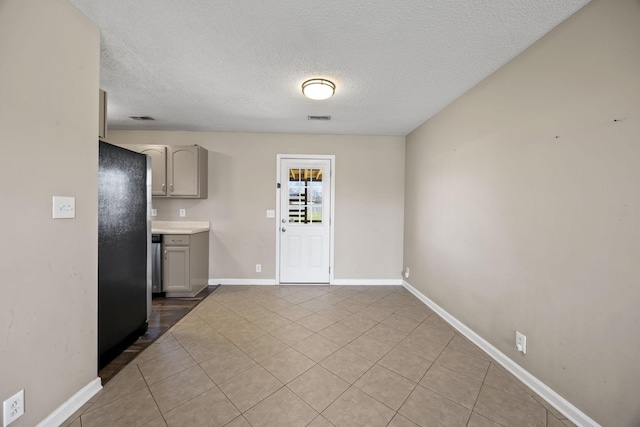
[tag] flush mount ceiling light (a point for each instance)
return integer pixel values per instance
(318, 89)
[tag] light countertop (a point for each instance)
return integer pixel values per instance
(179, 227)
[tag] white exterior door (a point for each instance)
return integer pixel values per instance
(305, 220)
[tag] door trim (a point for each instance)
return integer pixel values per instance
(332, 162)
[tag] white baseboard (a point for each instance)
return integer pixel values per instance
(337, 282)
(74, 403)
(263, 282)
(367, 282)
(554, 399)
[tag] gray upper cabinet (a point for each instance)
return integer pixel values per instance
(158, 154)
(180, 172)
(187, 171)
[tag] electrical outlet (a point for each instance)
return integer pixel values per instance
(521, 342)
(13, 408)
(406, 273)
(258, 268)
(183, 213)
(271, 213)
(154, 212)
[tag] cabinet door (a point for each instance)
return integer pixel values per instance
(183, 171)
(176, 269)
(158, 154)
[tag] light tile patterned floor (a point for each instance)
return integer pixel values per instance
(314, 356)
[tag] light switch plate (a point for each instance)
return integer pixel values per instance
(154, 212)
(64, 207)
(271, 214)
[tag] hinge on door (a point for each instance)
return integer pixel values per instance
(278, 185)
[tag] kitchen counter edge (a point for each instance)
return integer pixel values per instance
(179, 227)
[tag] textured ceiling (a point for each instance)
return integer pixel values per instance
(237, 65)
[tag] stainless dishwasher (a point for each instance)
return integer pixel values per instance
(156, 263)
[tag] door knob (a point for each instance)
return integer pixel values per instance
(284, 220)
(284, 229)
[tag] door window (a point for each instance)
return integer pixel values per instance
(305, 196)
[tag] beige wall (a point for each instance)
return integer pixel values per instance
(242, 175)
(523, 209)
(48, 126)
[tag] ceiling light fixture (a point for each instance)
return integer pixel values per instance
(318, 89)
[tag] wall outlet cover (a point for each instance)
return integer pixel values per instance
(521, 342)
(13, 408)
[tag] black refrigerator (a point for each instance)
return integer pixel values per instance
(124, 257)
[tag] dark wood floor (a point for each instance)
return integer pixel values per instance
(165, 312)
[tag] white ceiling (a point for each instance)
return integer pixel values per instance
(237, 65)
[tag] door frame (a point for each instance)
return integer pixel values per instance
(332, 166)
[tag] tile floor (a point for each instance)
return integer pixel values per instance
(314, 356)
(165, 312)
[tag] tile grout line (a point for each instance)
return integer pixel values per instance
(484, 378)
(216, 384)
(147, 383)
(260, 364)
(422, 377)
(368, 303)
(374, 363)
(187, 315)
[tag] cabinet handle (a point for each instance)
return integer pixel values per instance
(165, 255)
(163, 188)
(171, 187)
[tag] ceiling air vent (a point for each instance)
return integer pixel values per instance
(141, 118)
(319, 117)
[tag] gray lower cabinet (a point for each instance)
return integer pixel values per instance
(185, 268)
